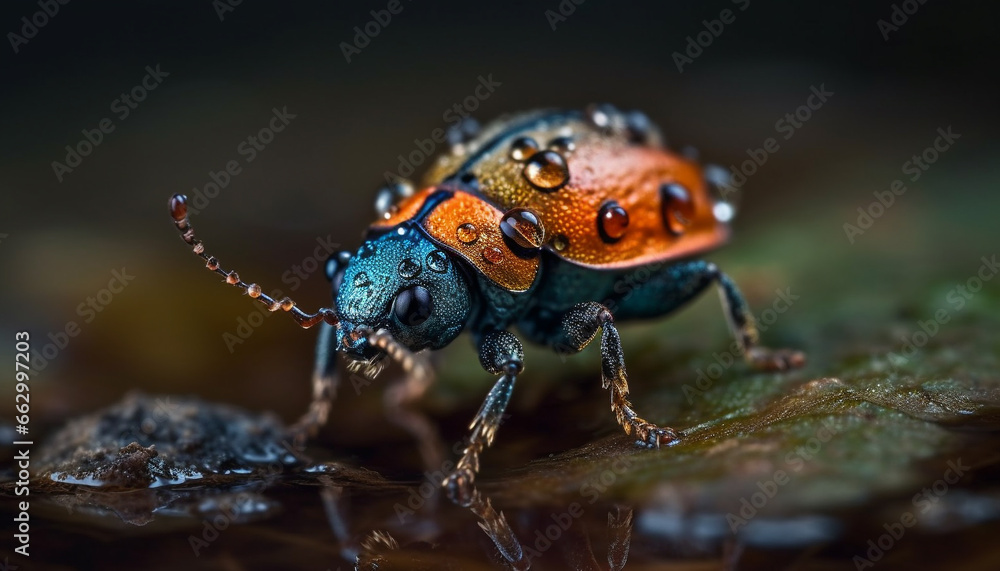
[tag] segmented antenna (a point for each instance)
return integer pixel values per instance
(178, 210)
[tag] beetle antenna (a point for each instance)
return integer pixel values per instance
(178, 210)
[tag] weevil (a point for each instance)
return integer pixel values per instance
(558, 224)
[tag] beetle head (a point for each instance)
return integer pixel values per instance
(403, 283)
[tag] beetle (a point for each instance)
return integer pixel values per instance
(556, 223)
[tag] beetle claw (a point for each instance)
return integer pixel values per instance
(652, 436)
(764, 359)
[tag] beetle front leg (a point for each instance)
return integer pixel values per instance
(324, 387)
(579, 326)
(500, 353)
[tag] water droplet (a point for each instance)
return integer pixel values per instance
(232, 278)
(562, 144)
(493, 255)
(638, 127)
(409, 268)
(725, 195)
(547, 171)
(678, 209)
(467, 233)
(690, 153)
(361, 280)
(462, 132)
(560, 242)
(601, 115)
(253, 290)
(366, 250)
(612, 220)
(389, 196)
(384, 201)
(212, 263)
(437, 261)
(198, 248)
(723, 211)
(523, 227)
(523, 148)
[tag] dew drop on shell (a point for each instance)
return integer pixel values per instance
(493, 255)
(560, 242)
(523, 148)
(612, 220)
(467, 233)
(562, 144)
(367, 250)
(638, 127)
(437, 261)
(678, 208)
(547, 171)
(409, 268)
(523, 227)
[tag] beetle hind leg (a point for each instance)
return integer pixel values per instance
(744, 328)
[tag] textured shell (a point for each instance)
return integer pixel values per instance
(608, 162)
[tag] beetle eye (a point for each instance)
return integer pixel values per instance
(413, 306)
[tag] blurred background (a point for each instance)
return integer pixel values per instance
(718, 76)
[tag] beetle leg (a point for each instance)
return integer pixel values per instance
(620, 530)
(744, 328)
(397, 400)
(417, 378)
(499, 353)
(677, 284)
(579, 326)
(324, 387)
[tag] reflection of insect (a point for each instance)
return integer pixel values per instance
(542, 222)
